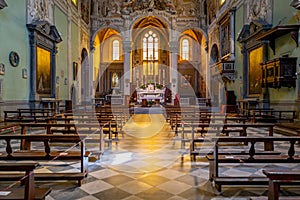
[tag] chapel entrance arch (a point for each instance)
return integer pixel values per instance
(150, 53)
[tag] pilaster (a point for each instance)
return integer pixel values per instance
(127, 67)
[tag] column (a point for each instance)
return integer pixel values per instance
(32, 70)
(127, 71)
(265, 90)
(174, 67)
(232, 33)
(69, 55)
(95, 8)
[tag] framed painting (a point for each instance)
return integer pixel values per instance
(43, 72)
(254, 71)
(115, 80)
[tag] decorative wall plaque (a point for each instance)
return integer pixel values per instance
(14, 58)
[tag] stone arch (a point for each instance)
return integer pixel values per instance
(196, 66)
(196, 29)
(102, 59)
(145, 22)
(101, 28)
(139, 18)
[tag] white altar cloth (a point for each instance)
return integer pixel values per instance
(150, 95)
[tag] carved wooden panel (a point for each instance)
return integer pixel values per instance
(280, 72)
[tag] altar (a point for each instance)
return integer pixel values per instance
(151, 95)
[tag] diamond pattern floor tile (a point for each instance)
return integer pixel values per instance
(155, 169)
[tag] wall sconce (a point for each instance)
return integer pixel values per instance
(2, 69)
(66, 81)
(24, 73)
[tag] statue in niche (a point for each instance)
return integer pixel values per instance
(259, 10)
(151, 4)
(127, 7)
(143, 4)
(38, 9)
(112, 8)
(170, 7)
(211, 10)
(85, 11)
(42, 9)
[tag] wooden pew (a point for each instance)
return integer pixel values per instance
(280, 177)
(29, 192)
(9, 127)
(48, 154)
(210, 120)
(28, 114)
(271, 115)
(218, 129)
(109, 126)
(90, 132)
(264, 157)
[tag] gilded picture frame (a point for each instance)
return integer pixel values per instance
(115, 80)
(255, 72)
(43, 72)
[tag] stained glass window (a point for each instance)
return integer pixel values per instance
(116, 50)
(150, 46)
(185, 50)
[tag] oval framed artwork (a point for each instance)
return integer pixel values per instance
(14, 58)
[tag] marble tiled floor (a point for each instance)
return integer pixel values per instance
(149, 163)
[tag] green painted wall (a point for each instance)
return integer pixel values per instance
(14, 37)
(284, 45)
(282, 11)
(61, 23)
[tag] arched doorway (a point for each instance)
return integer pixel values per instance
(192, 64)
(108, 62)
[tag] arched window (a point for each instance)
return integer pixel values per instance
(150, 46)
(185, 49)
(116, 50)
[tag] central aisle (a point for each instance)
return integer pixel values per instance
(146, 145)
(146, 164)
(146, 126)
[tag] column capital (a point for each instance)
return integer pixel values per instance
(232, 10)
